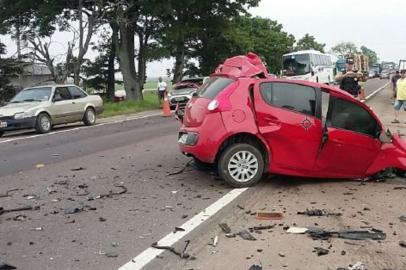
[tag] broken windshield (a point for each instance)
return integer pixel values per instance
(298, 64)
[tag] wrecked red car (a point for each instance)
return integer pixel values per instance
(249, 123)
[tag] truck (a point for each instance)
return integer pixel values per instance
(360, 64)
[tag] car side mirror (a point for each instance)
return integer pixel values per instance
(385, 136)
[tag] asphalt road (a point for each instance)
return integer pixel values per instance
(70, 168)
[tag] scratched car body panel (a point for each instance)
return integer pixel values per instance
(249, 123)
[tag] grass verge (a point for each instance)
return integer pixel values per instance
(150, 102)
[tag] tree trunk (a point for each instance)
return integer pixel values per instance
(111, 80)
(179, 62)
(126, 60)
(142, 61)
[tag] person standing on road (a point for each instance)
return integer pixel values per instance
(394, 80)
(349, 81)
(162, 88)
(400, 96)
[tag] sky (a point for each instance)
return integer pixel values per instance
(377, 25)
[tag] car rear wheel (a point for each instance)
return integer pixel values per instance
(90, 117)
(43, 123)
(241, 165)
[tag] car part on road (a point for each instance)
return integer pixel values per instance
(241, 165)
(43, 123)
(178, 229)
(268, 216)
(78, 169)
(89, 118)
(402, 244)
(111, 193)
(214, 242)
(246, 235)
(297, 230)
(72, 210)
(225, 228)
(321, 234)
(318, 213)
(261, 228)
(24, 208)
(6, 266)
(402, 218)
(181, 170)
(182, 254)
(256, 267)
(320, 251)
(8, 192)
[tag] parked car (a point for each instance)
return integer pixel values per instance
(385, 74)
(45, 106)
(249, 123)
(183, 91)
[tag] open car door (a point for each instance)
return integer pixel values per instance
(350, 142)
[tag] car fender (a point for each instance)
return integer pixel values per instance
(391, 155)
(42, 110)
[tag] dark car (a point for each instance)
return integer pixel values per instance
(249, 123)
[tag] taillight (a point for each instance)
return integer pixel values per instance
(213, 105)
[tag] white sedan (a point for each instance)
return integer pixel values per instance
(45, 106)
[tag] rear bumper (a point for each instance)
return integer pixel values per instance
(203, 142)
(13, 124)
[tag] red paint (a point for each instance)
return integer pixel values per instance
(293, 141)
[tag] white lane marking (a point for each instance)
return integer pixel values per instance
(79, 128)
(375, 92)
(149, 254)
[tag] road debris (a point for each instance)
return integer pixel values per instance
(256, 267)
(6, 266)
(297, 230)
(38, 229)
(225, 228)
(24, 208)
(318, 213)
(320, 234)
(72, 210)
(78, 169)
(246, 235)
(402, 243)
(268, 216)
(182, 254)
(111, 193)
(214, 242)
(111, 254)
(260, 228)
(357, 266)
(40, 165)
(402, 218)
(30, 197)
(52, 189)
(8, 193)
(181, 170)
(178, 229)
(320, 251)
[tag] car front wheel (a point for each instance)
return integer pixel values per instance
(241, 165)
(90, 117)
(43, 123)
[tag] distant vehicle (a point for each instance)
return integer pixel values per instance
(45, 106)
(385, 74)
(372, 74)
(377, 69)
(308, 65)
(402, 65)
(183, 91)
(248, 123)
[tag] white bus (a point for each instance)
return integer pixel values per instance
(308, 65)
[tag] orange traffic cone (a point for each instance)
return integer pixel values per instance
(166, 108)
(362, 94)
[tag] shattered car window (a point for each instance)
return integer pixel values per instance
(349, 116)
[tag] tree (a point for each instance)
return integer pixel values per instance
(9, 67)
(344, 48)
(243, 34)
(308, 42)
(188, 22)
(372, 56)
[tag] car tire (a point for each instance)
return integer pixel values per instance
(241, 165)
(43, 123)
(90, 117)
